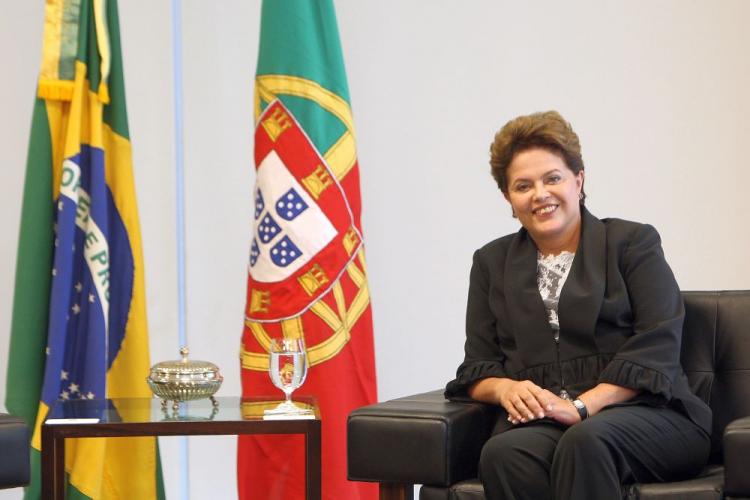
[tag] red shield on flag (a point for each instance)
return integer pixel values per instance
(306, 279)
(305, 234)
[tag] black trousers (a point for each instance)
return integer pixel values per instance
(594, 458)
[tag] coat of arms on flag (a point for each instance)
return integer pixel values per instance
(306, 272)
(304, 229)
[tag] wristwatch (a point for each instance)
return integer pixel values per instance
(582, 411)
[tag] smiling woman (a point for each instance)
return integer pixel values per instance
(574, 327)
(537, 164)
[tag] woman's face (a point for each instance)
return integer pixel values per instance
(545, 194)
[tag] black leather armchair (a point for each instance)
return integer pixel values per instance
(425, 439)
(14, 452)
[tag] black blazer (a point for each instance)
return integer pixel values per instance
(620, 313)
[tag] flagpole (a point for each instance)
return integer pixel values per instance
(180, 213)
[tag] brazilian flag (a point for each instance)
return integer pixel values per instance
(79, 314)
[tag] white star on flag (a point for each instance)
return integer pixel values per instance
(76, 308)
(64, 395)
(91, 298)
(73, 388)
(79, 287)
(63, 375)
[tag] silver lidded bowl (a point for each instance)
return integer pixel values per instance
(184, 380)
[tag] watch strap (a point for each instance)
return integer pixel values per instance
(583, 412)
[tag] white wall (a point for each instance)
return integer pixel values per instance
(657, 92)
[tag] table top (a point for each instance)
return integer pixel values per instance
(151, 410)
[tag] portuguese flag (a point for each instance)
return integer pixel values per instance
(307, 274)
(79, 313)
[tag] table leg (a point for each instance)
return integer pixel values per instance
(53, 465)
(312, 461)
(396, 491)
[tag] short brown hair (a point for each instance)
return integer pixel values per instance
(547, 130)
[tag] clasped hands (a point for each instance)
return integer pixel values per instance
(525, 401)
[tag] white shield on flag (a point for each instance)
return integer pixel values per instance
(290, 227)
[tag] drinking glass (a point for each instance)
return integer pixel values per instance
(288, 370)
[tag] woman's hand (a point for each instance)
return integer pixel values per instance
(524, 400)
(549, 404)
(562, 410)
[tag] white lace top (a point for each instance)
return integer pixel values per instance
(551, 273)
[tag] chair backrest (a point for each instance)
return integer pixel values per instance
(716, 355)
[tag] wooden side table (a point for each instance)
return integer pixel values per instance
(145, 417)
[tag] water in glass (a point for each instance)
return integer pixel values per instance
(288, 369)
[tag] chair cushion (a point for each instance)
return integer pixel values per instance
(716, 356)
(471, 489)
(14, 452)
(420, 439)
(707, 486)
(736, 446)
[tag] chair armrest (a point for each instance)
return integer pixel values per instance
(736, 449)
(420, 439)
(14, 452)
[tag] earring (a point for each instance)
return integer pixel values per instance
(580, 196)
(513, 213)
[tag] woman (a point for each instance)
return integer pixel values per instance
(573, 328)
